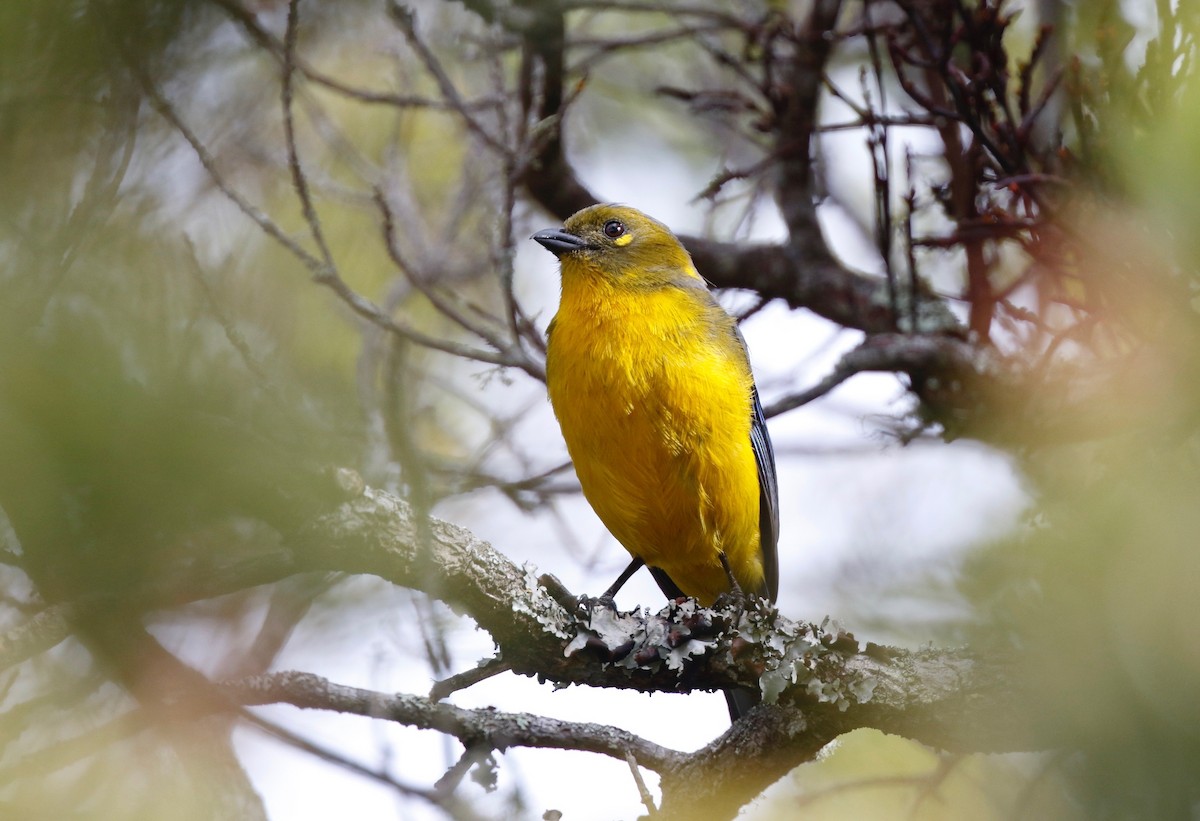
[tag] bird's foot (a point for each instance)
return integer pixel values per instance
(735, 595)
(735, 601)
(579, 606)
(586, 604)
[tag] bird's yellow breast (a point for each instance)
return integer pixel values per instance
(653, 394)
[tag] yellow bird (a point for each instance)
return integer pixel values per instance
(651, 383)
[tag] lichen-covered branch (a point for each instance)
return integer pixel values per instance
(820, 681)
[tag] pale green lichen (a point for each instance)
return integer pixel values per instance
(635, 641)
(863, 688)
(541, 606)
(804, 655)
(797, 655)
(606, 627)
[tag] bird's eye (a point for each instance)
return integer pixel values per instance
(614, 229)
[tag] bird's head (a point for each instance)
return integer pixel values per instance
(619, 242)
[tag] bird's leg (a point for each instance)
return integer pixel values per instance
(734, 597)
(607, 597)
(734, 588)
(583, 604)
(611, 592)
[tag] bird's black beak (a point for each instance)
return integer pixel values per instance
(558, 242)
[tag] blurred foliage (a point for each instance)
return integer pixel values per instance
(66, 93)
(169, 409)
(175, 391)
(1096, 592)
(867, 774)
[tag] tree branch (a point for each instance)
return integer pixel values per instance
(921, 356)
(822, 682)
(817, 680)
(493, 728)
(683, 647)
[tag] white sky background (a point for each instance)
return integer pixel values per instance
(863, 523)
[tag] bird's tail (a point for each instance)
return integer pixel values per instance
(740, 700)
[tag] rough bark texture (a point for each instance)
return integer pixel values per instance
(947, 698)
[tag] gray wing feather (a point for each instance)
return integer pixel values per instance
(768, 498)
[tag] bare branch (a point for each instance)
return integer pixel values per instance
(69, 751)
(259, 217)
(889, 353)
(460, 681)
(496, 729)
(376, 534)
(272, 45)
(443, 799)
(405, 20)
(322, 272)
(299, 180)
(643, 791)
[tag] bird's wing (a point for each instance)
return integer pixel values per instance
(768, 497)
(764, 461)
(768, 486)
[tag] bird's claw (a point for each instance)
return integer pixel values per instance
(735, 598)
(586, 604)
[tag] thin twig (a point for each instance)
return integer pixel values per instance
(299, 180)
(446, 303)
(885, 353)
(674, 9)
(405, 19)
(433, 796)
(453, 776)
(272, 45)
(232, 334)
(259, 217)
(643, 791)
(64, 753)
(468, 678)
